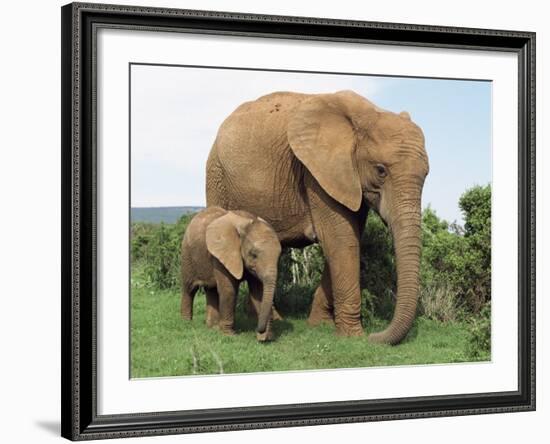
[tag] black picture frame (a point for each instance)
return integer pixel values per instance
(78, 332)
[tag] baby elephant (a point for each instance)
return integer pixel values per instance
(219, 250)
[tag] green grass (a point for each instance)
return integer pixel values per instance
(162, 344)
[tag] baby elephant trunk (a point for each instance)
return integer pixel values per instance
(264, 317)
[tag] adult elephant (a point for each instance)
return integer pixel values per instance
(313, 165)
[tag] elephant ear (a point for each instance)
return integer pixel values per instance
(223, 241)
(322, 136)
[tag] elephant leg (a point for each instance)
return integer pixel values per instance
(212, 308)
(255, 300)
(227, 287)
(187, 298)
(346, 292)
(322, 307)
(338, 231)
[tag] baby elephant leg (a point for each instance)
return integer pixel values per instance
(212, 307)
(227, 287)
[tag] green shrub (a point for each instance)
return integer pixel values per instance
(480, 334)
(378, 276)
(439, 302)
(294, 300)
(161, 259)
(140, 235)
(302, 267)
(458, 258)
(299, 275)
(370, 307)
(440, 249)
(475, 270)
(157, 247)
(241, 303)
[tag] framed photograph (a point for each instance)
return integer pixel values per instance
(278, 221)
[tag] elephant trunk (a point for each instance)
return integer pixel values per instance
(266, 306)
(407, 236)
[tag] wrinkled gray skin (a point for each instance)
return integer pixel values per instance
(313, 165)
(219, 250)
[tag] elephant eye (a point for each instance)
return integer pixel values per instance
(381, 170)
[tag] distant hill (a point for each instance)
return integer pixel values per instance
(168, 215)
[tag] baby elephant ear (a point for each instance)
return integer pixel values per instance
(223, 241)
(321, 136)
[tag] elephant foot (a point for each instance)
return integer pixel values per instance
(265, 336)
(211, 323)
(318, 318)
(315, 322)
(350, 330)
(320, 314)
(228, 331)
(186, 317)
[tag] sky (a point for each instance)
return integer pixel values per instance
(176, 112)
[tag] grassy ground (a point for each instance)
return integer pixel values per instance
(162, 344)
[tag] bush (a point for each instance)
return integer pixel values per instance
(375, 307)
(302, 267)
(140, 235)
(460, 258)
(440, 250)
(378, 276)
(161, 258)
(480, 334)
(294, 300)
(298, 276)
(438, 301)
(157, 247)
(475, 270)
